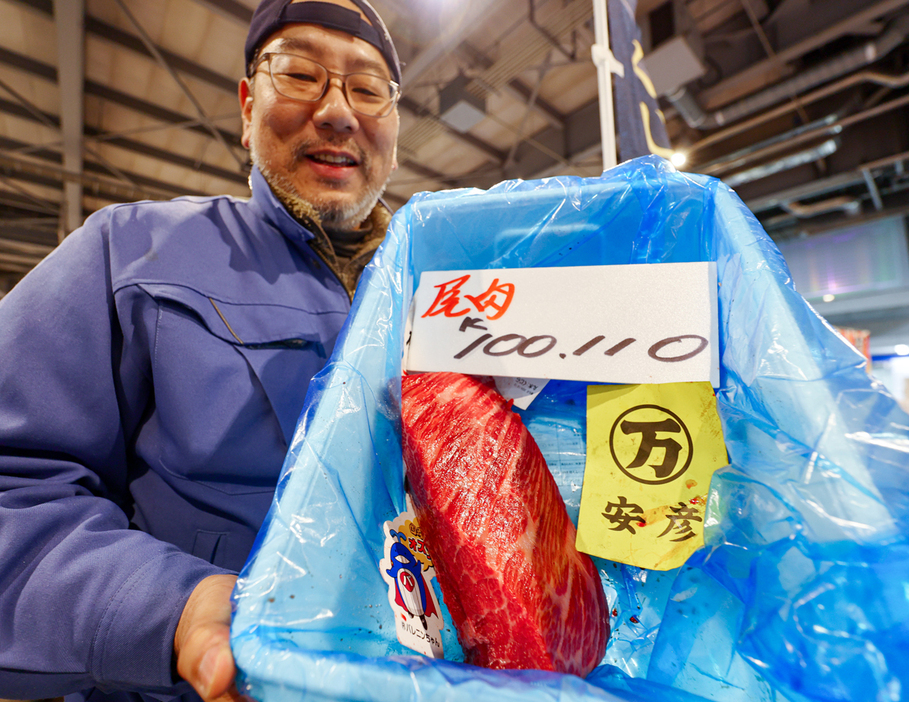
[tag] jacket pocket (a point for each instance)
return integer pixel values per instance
(229, 383)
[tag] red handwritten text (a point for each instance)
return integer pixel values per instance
(496, 299)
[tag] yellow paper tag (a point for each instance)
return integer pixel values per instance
(651, 450)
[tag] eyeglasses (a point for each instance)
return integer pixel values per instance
(304, 80)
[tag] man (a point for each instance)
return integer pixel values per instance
(154, 367)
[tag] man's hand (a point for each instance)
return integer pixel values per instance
(202, 641)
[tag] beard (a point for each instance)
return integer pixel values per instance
(343, 216)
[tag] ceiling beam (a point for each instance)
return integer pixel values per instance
(68, 20)
(21, 202)
(94, 177)
(231, 9)
(24, 248)
(150, 109)
(412, 106)
(743, 82)
(92, 133)
(517, 89)
(227, 8)
(12, 263)
(446, 43)
(103, 30)
(201, 112)
(578, 137)
(429, 173)
(524, 94)
(113, 34)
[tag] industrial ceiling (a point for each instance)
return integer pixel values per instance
(802, 106)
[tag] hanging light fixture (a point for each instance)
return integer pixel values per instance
(458, 108)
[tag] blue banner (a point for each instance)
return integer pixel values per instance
(640, 128)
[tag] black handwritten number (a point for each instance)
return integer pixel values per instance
(507, 337)
(654, 350)
(472, 345)
(543, 343)
(589, 345)
(619, 346)
(521, 347)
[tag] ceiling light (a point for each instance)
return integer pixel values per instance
(829, 298)
(901, 350)
(679, 159)
(458, 108)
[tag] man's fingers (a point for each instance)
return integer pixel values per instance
(216, 675)
(205, 660)
(202, 641)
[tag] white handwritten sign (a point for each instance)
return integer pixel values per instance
(641, 323)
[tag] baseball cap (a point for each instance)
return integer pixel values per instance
(271, 15)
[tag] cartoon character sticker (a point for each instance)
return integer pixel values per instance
(407, 568)
(411, 591)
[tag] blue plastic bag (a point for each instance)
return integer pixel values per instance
(802, 589)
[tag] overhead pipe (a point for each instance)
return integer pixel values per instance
(531, 16)
(785, 163)
(847, 62)
(821, 127)
(802, 135)
(841, 203)
(866, 76)
(790, 202)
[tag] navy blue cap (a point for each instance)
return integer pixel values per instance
(271, 15)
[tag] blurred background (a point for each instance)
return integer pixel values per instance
(801, 106)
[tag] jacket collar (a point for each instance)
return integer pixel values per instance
(269, 207)
(266, 203)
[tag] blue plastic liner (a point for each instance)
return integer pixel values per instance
(802, 589)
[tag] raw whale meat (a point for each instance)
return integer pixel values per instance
(519, 593)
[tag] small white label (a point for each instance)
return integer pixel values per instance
(522, 391)
(408, 570)
(640, 323)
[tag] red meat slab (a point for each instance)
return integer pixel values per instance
(519, 592)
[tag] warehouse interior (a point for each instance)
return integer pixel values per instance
(800, 106)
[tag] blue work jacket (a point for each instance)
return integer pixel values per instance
(152, 371)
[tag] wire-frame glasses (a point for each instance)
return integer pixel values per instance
(302, 79)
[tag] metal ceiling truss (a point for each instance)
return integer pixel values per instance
(174, 63)
(162, 61)
(48, 153)
(745, 113)
(551, 152)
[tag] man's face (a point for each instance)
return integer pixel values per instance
(330, 156)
